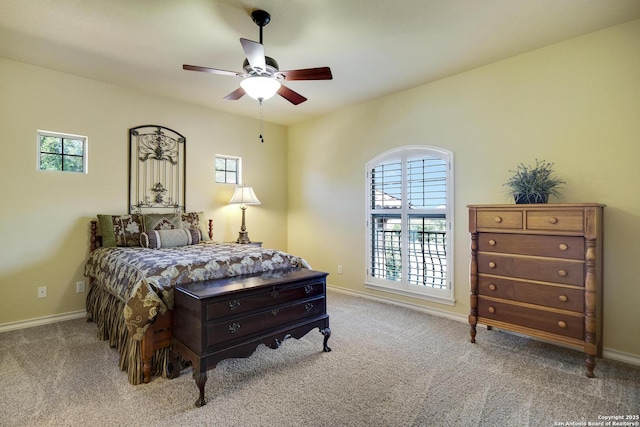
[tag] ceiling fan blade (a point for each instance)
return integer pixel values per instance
(210, 70)
(235, 95)
(321, 73)
(255, 54)
(293, 97)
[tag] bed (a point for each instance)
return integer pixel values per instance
(134, 264)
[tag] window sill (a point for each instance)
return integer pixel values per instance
(441, 299)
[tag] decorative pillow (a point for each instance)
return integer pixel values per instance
(196, 221)
(120, 230)
(156, 239)
(162, 221)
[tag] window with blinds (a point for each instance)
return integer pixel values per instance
(409, 230)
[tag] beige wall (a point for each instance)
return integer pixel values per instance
(575, 103)
(45, 216)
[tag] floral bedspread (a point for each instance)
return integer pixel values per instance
(144, 278)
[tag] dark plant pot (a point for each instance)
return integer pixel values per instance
(530, 198)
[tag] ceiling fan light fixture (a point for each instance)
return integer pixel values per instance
(260, 87)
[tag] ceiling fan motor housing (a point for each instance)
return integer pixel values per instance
(272, 67)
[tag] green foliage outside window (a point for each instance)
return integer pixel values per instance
(58, 153)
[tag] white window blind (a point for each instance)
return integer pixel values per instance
(409, 211)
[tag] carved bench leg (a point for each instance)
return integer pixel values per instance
(327, 333)
(201, 380)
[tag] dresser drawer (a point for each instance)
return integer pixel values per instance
(556, 220)
(220, 332)
(532, 293)
(556, 323)
(568, 272)
(500, 219)
(241, 304)
(527, 244)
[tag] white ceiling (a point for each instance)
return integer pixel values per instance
(374, 47)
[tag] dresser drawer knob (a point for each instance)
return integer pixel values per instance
(492, 242)
(563, 298)
(308, 306)
(492, 264)
(233, 328)
(553, 220)
(308, 289)
(562, 324)
(234, 304)
(562, 273)
(563, 247)
(492, 287)
(492, 310)
(498, 219)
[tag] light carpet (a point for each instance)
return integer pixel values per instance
(390, 366)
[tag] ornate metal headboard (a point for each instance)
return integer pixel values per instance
(157, 172)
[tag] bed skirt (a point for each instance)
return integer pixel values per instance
(106, 311)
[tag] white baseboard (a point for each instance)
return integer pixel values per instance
(606, 353)
(621, 356)
(434, 311)
(39, 321)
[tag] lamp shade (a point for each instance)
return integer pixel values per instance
(259, 87)
(245, 196)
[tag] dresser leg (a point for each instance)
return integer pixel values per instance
(201, 380)
(327, 333)
(591, 364)
(472, 332)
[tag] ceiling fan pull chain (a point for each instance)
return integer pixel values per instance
(261, 122)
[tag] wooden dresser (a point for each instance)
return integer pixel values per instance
(537, 270)
(219, 319)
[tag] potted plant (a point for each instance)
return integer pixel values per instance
(534, 184)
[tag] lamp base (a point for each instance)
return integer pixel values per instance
(243, 237)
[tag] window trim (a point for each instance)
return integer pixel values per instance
(239, 170)
(443, 296)
(85, 150)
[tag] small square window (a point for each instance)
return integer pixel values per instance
(228, 170)
(62, 152)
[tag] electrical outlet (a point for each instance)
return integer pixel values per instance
(42, 292)
(340, 269)
(79, 287)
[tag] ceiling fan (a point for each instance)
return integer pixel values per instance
(262, 78)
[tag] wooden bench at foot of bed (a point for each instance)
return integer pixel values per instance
(229, 318)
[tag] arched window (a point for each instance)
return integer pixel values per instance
(409, 222)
